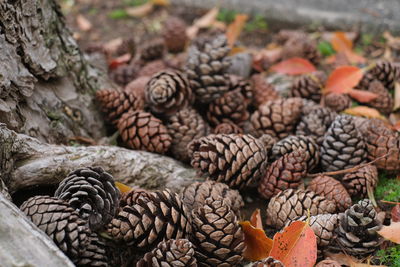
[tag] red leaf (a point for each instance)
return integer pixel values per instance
(362, 96)
(294, 66)
(119, 61)
(340, 42)
(296, 246)
(396, 213)
(343, 79)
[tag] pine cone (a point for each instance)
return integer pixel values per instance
(167, 92)
(337, 102)
(290, 204)
(231, 106)
(227, 127)
(309, 86)
(153, 49)
(137, 87)
(152, 68)
(124, 74)
(236, 160)
(217, 237)
(60, 222)
(185, 126)
(263, 91)
(92, 193)
(331, 189)
(292, 143)
(384, 71)
(384, 102)
(127, 46)
(237, 83)
(268, 262)
(277, 118)
(356, 234)
(268, 141)
(159, 216)
(343, 146)
(131, 198)
(172, 252)
(195, 195)
(286, 172)
(358, 181)
(328, 263)
(174, 34)
(115, 103)
(325, 114)
(142, 131)
(95, 254)
(206, 70)
(312, 126)
(301, 47)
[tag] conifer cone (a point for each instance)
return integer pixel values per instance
(343, 146)
(337, 102)
(323, 225)
(206, 69)
(142, 131)
(380, 141)
(237, 160)
(167, 92)
(312, 126)
(292, 143)
(137, 87)
(152, 68)
(268, 262)
(356, 234)
(290, 204)
(195, 195)
(231, 106)
(95, 254)
(262, 91)
(217, 236)
(115, 103)
(174, 34)
(384, 71)
(277, 118)
(309, 86)
(286, 172)
(237, 83)
(384, 102)
(357, 182)
(92, 193)
(301, 47)
(173, 252)
(124, 74)
(152, 49)
(268, 141)
(328, 263)
(60, 222)
(325, 114)
(131, 198)
(331, 189)
(227, 127)
(127, 46)
(185, 126)
(159, 216)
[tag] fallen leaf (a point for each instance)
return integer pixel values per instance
(203, 22)
(258, 245)
(354, 58)
(343, 79)
(266, 57)
(362, 95)
(347, 260)
(237, 50)
(161, 2)
(83, 23)
(111, 46)
(391, 232)
(296, 245)
(235, 28)
(294, 66)
(340, 42)
(123, 187)
(140, 11)
(364, 111)
(395, 213)
(115, 62)
(393, 42)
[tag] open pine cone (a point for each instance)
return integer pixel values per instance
(309, 86)
(384, 71)
(268, 262)
(357, 182)
(152, 49)
(95, 254)
(227, 127)
(262, 91)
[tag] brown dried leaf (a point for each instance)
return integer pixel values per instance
(140, 11)
(364, 111)
(205, 21)
(83, 23)
(391, 232)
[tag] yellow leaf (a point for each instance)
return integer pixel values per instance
(235, 28)
(391, 232)
(161, 2)
(205, 21)
(140, 11)
(123, 187)
(364, 111)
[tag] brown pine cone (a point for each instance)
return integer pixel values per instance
(237, 83)
(115, 103)
(127, 46)
(268, 141)
(168, 92)
(137, 87)
(262, 91)
(384, 71)
(312, 126)
(277, 118)
(217, 236)
(124, 74)
(195, 195)
(331, 189)
(159, 216)
(268, 262)
(173, 252)
(142, 131)
(206, 69)
(174, 34)
(384, 102)
(95, 254)
(292, 143)
(131, 198)
(290, 204)
(301, 47)
(237, 160)
(357, 182)
(152, 49)
(60, 222)
(176, 61)
(337, 102)
(185, 126)
(152, 68)
(286, 172)
(325, 114)
(309, 86)
(227, 127)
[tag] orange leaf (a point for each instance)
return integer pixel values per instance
(294, 66)
(391, 232)
(364, 111)
(340, 42)
(235, 28)
(343, 79)
(353, 57)
(362, 96)
(255, 219)
(123, 187)
(115, 62)
(296, 246)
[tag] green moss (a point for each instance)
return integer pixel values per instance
(389, 256)
(226, 15)
(325, 48)
(388, 188)
(257, 22)
(118, 14)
